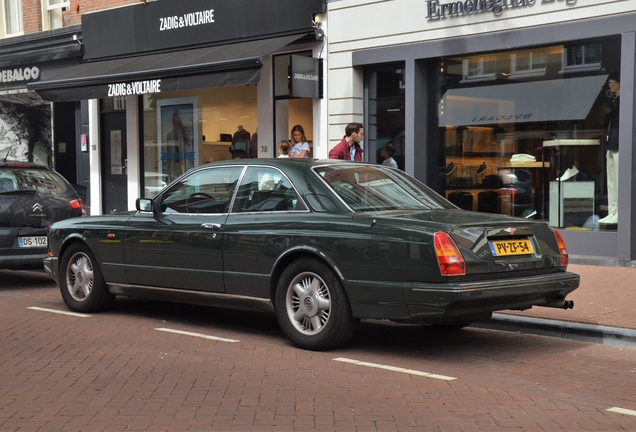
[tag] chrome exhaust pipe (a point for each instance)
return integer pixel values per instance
(560, 304)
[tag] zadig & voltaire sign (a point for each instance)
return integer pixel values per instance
(437, 10)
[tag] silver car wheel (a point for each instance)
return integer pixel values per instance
(79, 276)
(308, 303)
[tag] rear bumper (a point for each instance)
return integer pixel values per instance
(22, 262)
(439, 302)
(430, 301)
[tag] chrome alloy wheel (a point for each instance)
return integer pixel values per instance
(79, 276)
(308, 303)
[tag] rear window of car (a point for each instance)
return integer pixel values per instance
(35, 179)
(373, 188)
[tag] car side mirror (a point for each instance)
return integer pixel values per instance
(144, 204)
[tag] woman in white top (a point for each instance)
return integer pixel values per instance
(387, 151)
(300, 145)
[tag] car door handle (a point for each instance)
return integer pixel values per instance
(211, 226)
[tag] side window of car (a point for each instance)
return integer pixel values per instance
(205, 191)
(264, 189)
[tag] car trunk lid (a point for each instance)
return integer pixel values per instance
(492, 244)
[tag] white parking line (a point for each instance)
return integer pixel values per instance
(204, 336)
(75, 314)
(622, 411)
(395, 369)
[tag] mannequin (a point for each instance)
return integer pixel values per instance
(610, 127)
(240, 135)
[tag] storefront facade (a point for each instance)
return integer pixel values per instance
(168, 86)
(505, 106)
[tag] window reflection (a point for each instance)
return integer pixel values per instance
(524, 132)
(386, 114)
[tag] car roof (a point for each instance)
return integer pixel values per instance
(284, 162)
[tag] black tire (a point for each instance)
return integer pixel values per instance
(312, 307)
(81, 283)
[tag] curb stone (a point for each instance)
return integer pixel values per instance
(563, 329)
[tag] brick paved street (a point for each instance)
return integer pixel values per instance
(115, 372)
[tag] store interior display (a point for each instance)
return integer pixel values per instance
(533, 132)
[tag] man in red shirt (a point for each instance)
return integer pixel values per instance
(349, 148)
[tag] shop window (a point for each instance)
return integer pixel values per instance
(183, 130)
(386, 120)
(52, 11)
(13, 17)
(534, 142)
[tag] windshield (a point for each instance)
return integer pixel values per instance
(373, 188)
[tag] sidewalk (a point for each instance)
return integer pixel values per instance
(604, 310)
(606, 297)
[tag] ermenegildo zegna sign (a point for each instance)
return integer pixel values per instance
(436, 9)
(163, 25)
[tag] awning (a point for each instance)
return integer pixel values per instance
(216, 66)
(537, 101)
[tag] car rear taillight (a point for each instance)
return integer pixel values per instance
(17, 165)
(563, 250)
(449, 258)
(78, 204)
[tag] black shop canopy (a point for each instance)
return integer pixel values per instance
(565, 99)
(217, 66)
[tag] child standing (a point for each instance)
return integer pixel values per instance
(283, 149)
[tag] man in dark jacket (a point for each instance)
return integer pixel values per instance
(349, 148)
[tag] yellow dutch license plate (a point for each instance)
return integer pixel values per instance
(511, 247)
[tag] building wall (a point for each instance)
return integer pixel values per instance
(31, 16)
(355, 25)
(32, 11)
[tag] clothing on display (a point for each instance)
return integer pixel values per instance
(241, 144)
(482, 168)
(611, 127)
(522, 157)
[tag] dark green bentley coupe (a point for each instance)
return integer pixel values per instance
(320, 243)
